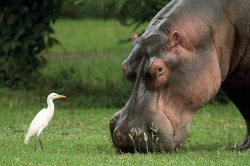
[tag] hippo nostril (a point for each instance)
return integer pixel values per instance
(112, 121)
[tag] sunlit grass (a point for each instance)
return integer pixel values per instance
(92, 36)
(81, 137)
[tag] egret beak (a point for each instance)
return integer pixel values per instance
(61, 96)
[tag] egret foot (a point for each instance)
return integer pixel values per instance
(40, 142)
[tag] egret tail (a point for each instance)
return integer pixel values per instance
(27, 138)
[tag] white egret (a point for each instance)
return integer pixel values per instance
(42, 120)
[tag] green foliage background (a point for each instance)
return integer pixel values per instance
(130, 12)
(82, 9)
(25, 28)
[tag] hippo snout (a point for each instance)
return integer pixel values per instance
(139, 136)
(121, 135)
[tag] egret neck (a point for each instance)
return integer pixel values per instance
(51, 106)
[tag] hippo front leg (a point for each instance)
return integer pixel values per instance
(239, 94)
(245, 145)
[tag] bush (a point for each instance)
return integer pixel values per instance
(25, 33)
(130, 12)
(78, 9)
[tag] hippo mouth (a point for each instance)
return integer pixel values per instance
(156, 134)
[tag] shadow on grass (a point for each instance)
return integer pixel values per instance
(206, 147)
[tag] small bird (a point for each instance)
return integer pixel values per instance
(42, 120)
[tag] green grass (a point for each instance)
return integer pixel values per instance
(90, 36)
(81, 137)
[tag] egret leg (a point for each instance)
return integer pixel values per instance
(41, 144)
(35, 146)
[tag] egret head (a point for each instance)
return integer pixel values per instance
(55, 96)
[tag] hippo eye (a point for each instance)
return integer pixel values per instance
(159, 69)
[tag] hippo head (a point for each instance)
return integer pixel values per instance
(170, 81)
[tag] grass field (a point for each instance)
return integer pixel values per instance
(87, 64)
(81, 137)
(87, 69)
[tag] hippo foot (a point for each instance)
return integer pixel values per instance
(245, 145)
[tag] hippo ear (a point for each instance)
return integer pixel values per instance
(174, 40)
(182, 40)
(134, 37)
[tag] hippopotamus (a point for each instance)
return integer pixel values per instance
(188, 52)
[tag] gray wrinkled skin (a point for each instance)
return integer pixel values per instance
(189, 50)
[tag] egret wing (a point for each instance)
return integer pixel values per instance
(40, 121)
